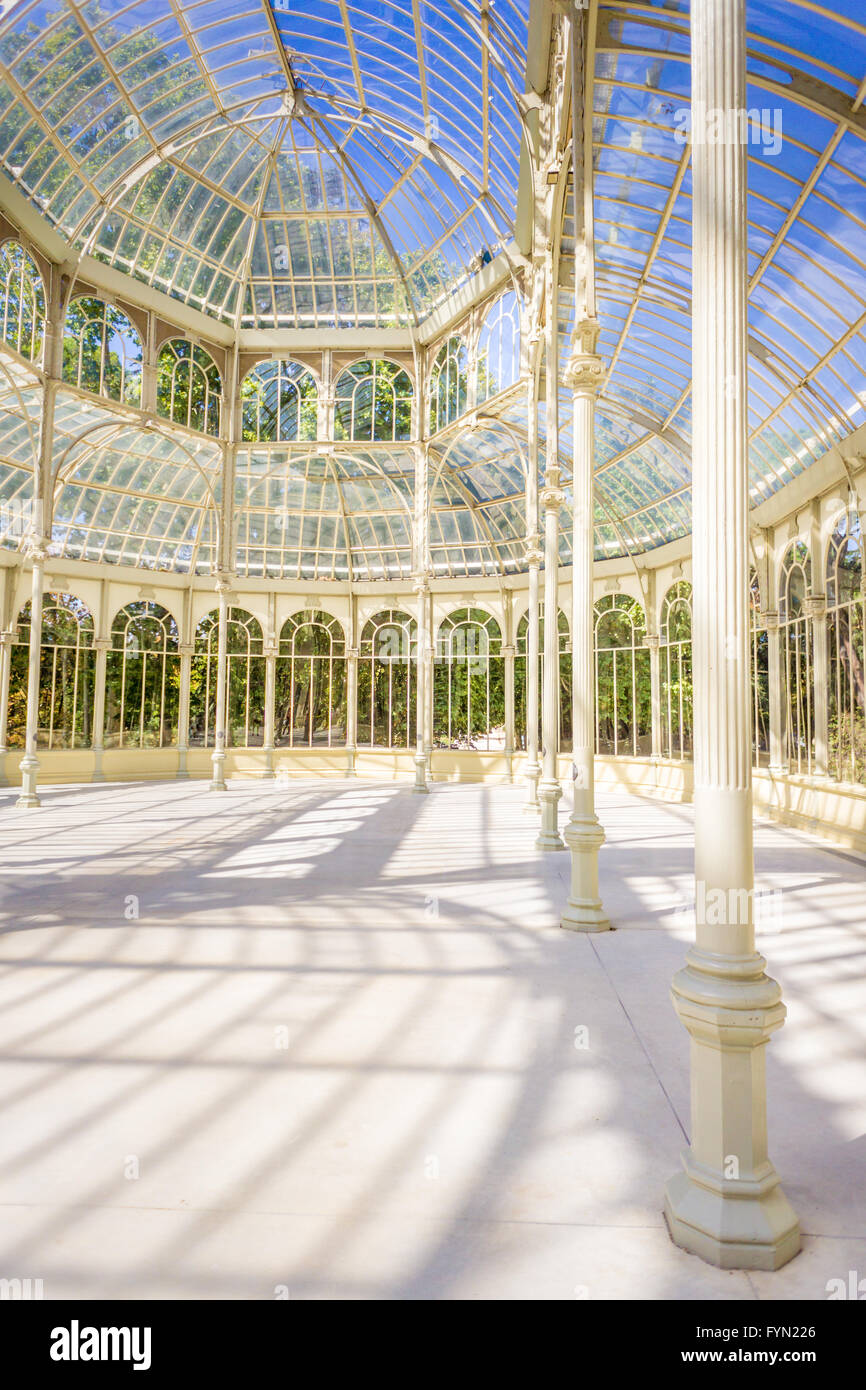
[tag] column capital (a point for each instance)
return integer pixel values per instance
(533, 555)
(584, 371)
(652, 640)
(352, 653)
(35, 549)
(552, 496)
(508, 651)
(815, 606)
(769, 621)
(186, 648)
(223, 583)
(102, 644)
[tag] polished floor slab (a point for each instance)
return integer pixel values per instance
(328, 1039)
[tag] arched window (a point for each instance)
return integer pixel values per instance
(22, 300)
(845, 628)
(469, 683)
(760, 676)
(142, 678)
(795, 634)
(373, 401)
(622, 678)
(311, 682)
(448, 384)
(280, 403)
(245, 681)
(387, 681)
(102, 351)
(66, 675)
(520, 670)
(188, 386)
(675, 665)
(499, 347)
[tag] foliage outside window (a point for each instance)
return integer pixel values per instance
(373, 402)
(280, 403)
(845, 629)
(499, 348)
(311, 682)
(469, 683)
(795, 633)
(760, 677)
(22, 299)
(449, 382)
(142, 678)
(623, 704)
(66, 676)
(520, 678)
(102, 351)
(188, 386)
(387, 681)
(675, 671)
(245, 681)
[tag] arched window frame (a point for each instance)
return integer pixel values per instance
(66, 675)
(449, 383)
(629, 699)
(387, 680)
(245, 680)
(80, 358)
(469, 662)
(280, 402)
(846, 626)
(675, 671)
(498, 357)
(184, 365)
(142, 678)
(311, 684)
(373, 402)
(796, 654)
(22, 300)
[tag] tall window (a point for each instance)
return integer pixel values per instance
(66, 675)
(449, 382)
(623, 703)
(22, 300)
(102, 351)
(499, 347)
(469, 683)
(311, 682)
(245, 681)
(845, 628)
(374, 401)
(760, 677)
(387, 681)
(142, 678)
(795, 643)
(520, 677)
(280, 402)
(188, 386)
(675, 670)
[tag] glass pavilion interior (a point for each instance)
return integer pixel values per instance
(344, 344)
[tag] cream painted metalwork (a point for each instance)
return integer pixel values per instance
(311, 682)
(142, 678)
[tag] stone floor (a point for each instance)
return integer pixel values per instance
(343, 1049)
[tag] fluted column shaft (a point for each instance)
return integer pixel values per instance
(726, 1205)
(421, 674)
(549, 790)
(103, 646)
(654, 643)
(270, 707)
(533, 769)
(218, 758)
(29, 764)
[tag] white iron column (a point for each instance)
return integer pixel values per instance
(421, 673)
(775, 687)
(218, 758)
(270, 705)
(351, 709)
(816, 607)
(549, 790)
(533, 768)
(102, 646)
(726, 1205)
(653, 641)
(508, 652)
(186, 650)
(5, 672)
(29, 764)
(583, 834)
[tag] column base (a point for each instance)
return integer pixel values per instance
(584, 910)
(549, 838)
(28, 801)
(421, 786)
(733, 1225)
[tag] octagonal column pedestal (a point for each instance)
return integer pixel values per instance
(218, 757)
(532, 770)
(29, 765)
(726, 1205)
